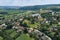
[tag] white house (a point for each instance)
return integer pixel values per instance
(36, 15)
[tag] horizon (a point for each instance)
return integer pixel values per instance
(27, 2)
(31, 5)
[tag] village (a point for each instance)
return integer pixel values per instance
(43, 25)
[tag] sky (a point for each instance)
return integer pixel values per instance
(27, 2)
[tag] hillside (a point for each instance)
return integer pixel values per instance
(36, 7)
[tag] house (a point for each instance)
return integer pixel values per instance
(58, 23)
(53, 29)
(30, 30)
(14, 27)
(36, 15)
(3, 26)
(20, 29)
(21, 19)
(40, 35)
(45, 21)
(53, 13)
(16, 23)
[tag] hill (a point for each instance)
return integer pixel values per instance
(36, 7)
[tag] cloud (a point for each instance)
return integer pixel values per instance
(27, 2)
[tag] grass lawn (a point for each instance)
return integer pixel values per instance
(13, 34)
(9, 31)
(24, 37)
(1, 38)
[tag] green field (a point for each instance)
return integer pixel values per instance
(24, 37)
(1, 38)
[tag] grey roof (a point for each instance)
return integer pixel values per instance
(42, 35)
